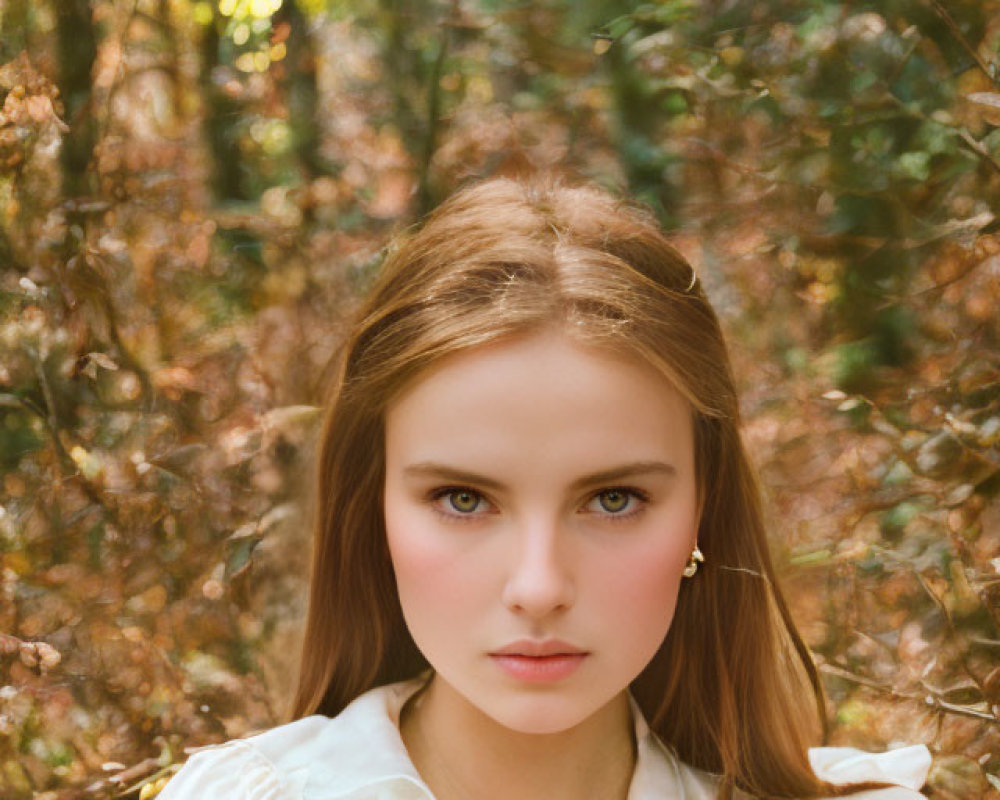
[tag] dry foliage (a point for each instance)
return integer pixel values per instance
(167, 312)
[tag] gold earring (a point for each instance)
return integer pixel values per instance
(692, 565)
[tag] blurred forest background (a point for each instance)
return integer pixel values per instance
(194, 192)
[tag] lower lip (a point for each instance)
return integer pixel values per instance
(539, 669)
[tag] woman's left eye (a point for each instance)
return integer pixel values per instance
(617, 502)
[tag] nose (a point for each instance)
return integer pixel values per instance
(540, 580)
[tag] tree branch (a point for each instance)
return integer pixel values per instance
(931, 699)
(989, 70)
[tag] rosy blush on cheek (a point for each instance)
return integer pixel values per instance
(428, 574)
(651, 566)
(645, 585)
(434, 576)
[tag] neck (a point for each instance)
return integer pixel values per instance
(461, 752)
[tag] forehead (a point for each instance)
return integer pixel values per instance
(539, 396)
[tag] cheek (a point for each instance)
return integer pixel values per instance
(647, 579)
(433, 578)
(639, 594)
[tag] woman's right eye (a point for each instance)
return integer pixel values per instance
(458, 502)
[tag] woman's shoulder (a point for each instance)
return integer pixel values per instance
(906, 767)
(273, 765)
(312, 758)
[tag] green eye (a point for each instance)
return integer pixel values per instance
(464, 502)
(613, 500)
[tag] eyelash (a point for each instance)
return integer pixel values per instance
(455, 516)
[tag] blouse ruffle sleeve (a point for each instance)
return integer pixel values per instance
(231, 771)
(907, 767)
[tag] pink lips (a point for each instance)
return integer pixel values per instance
(539, 662)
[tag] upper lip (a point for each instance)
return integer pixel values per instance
(534, 647)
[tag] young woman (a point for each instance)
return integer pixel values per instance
(540, 565)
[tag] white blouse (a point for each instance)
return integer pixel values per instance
(359, 755)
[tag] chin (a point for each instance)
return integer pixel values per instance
(539, 715)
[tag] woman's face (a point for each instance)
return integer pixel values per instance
(539, 491)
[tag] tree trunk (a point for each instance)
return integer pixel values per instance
(15, 27)
(77, 48)
(298, 82)
(221, 111)
(171, 46)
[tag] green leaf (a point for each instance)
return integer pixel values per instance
(240, 548)
(916, 165)
(619, 26)
(811, 558)
(894, 521)
(862, 80)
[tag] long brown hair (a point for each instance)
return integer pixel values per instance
(733, 689)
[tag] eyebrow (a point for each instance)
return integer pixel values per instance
(630, 470)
